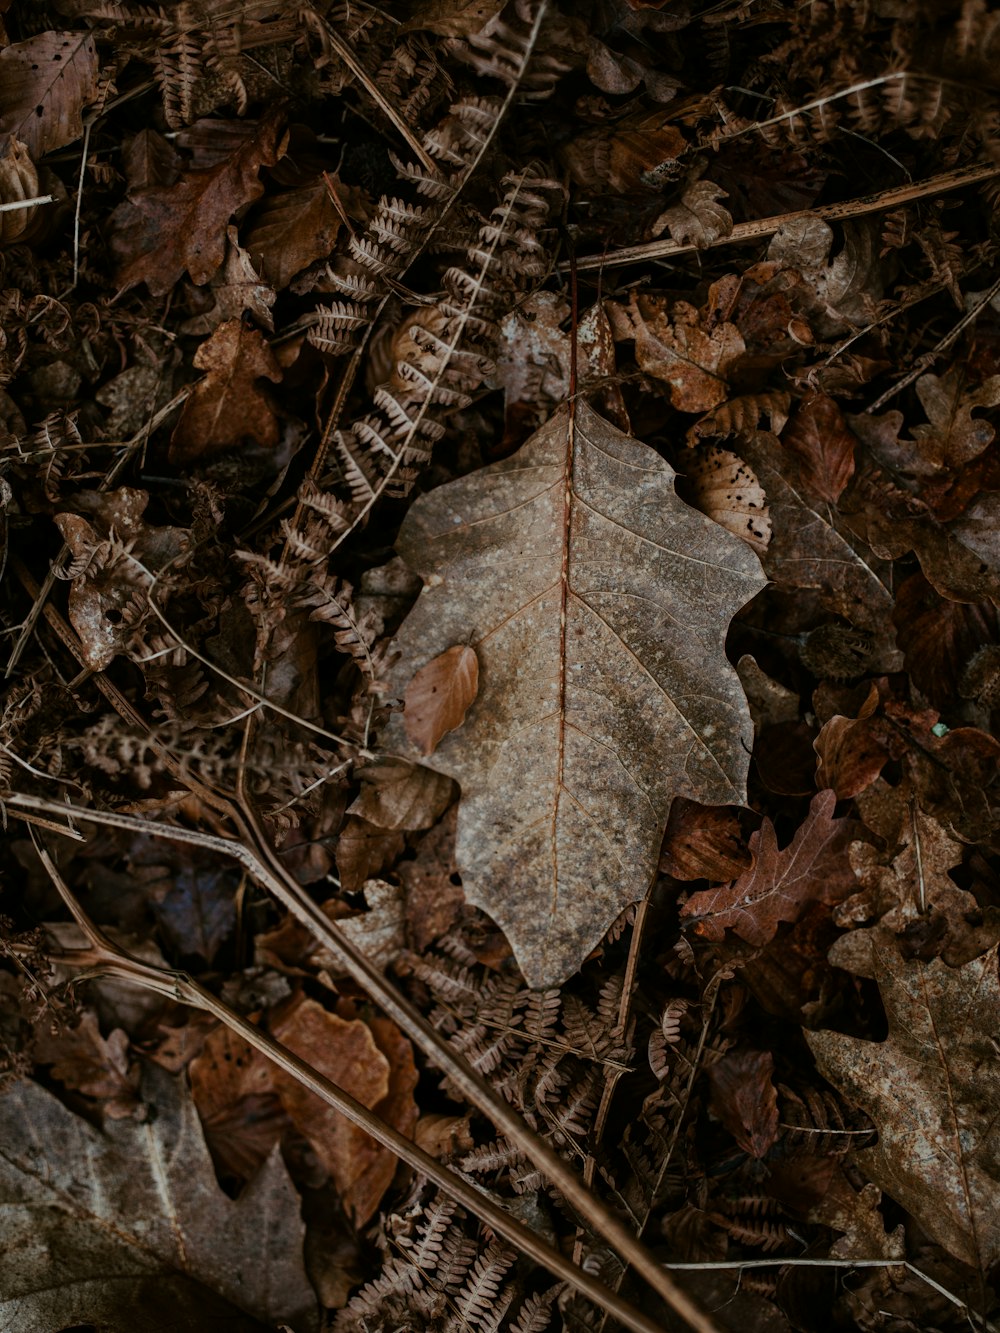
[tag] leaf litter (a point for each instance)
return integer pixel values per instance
(724, 966)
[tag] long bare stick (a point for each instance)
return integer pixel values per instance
(107, 959)
(753, 231)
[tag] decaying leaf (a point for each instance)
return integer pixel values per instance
(724, 488)
(163, 231)
(439, 696)
(745, 1100)
(604, 689)
(45, 82)
(289, 230)
(237, 1104)
(699, 219)
(780, 884)
(18, 180)
(227, 407)
(84, 1060)
(117, 1226)
(818, 437)
(396, 794)
(672, 344)
(932, 1089)
(703, 842)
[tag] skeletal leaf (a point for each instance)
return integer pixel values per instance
(932, 1090)
(439, 695)
(597, 604)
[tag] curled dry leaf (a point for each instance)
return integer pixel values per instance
(781, 884)
(604, 689)
(396, 794)
(851, 751)
(699, 219)
(936, 1152)
(725, 489)
(45, 82)
(226, 407)
(18, 180)
(439, 696)
(703, 842)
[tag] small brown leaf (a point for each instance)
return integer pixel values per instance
(818, 437)
(239, 1109)
(226, 408)
(399, 795)
(725, 489)
(851, 751)
(364, 851)
(703, 842)
(814, 867)
(439, 696)
(85, 1061)
(18, 180)
(699, 219)
(745, 1099)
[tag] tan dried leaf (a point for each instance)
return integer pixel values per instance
(45, 82)
(937, 1148)
(699, 219)
(348, 1052)
(818, 437)
(226, 407)
(725, 489)
(439, 696)
(673, 346)
(291, 229)
(399, 795)
(239, 1110)
(604, 687)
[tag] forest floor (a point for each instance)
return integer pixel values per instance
(501, 547)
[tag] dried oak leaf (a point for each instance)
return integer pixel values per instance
(699, 219)
(932, 1089)
(598, 605)
(439, 696)
(914, 896)
(86, 1061)
(45, 82)
(952, 436)
(160, 233)
(127, 1228)
(226, 407)
(818, 437)
(780, 884)
(675, 346)
(374, 1063)
(745, 1099)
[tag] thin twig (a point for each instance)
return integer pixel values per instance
(753, 231)
(34, 202)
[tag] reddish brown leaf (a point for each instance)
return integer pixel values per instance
(939, 637)
(238, 1106)
(818, 437)
(814, 867)
(289, 230)
(703, 842)
(439, 696)
(745, 1099)
(162, 232)
(851, 751)
(226, 408)
(364, 851)
(379, 1073)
